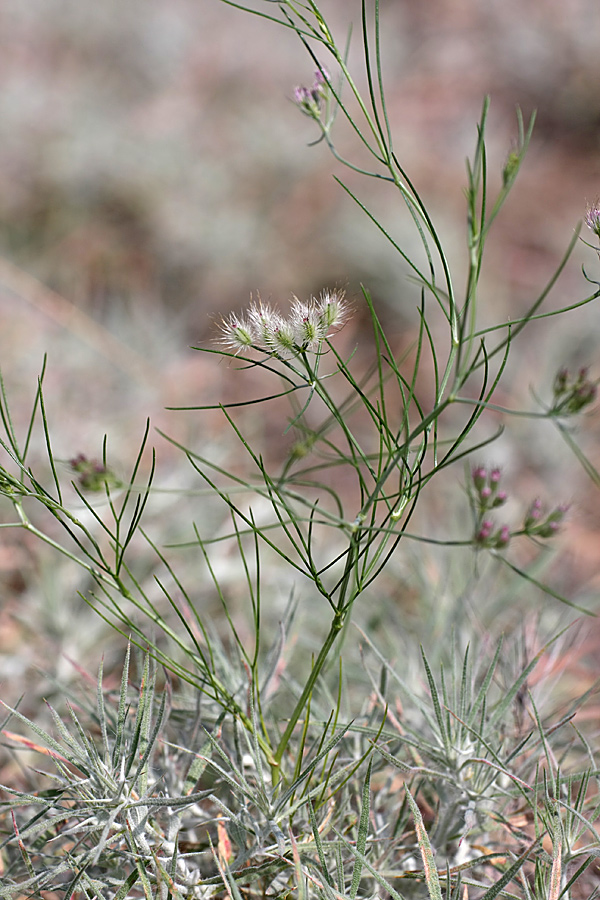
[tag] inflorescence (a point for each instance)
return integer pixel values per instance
(486, 496)
(592, 217)
(572, 394)
(264, 328)
(310, 100)
(91, 474)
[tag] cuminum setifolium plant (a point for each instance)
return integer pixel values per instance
(227, 764)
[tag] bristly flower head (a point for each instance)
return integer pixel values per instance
(312, 321)
(592, 217)
(264, 328)
(237, 333)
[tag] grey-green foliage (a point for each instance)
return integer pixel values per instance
(155, 797)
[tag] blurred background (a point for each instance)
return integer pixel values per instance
(154, 172)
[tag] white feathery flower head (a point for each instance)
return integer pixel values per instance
(264, 328)
(283, 339)
(237, 333)
(263, 320)
(305, 319)
(313, 320)
(332, 309)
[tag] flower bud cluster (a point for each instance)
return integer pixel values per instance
(486, 496)
(487, 535)
(486, 491)
(310, 100)
(540, 525)
(264, 328)
(92, 475)
(571, 395)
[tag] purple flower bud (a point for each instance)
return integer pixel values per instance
(535, 509)
(485, 493)
(301, 95)
(309, 99)
(479, 476)
(484, 532)
(503, 536)
(495, 476)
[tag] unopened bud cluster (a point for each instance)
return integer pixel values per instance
(263, 328)
(486, 496)
(572, 394)
(540, 525)
(92, 475)
(310, 100)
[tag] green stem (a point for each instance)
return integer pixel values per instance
(335, 628)
(340, 617)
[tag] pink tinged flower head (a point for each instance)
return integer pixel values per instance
(309, 99)
(592, 217)
(302, 95)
